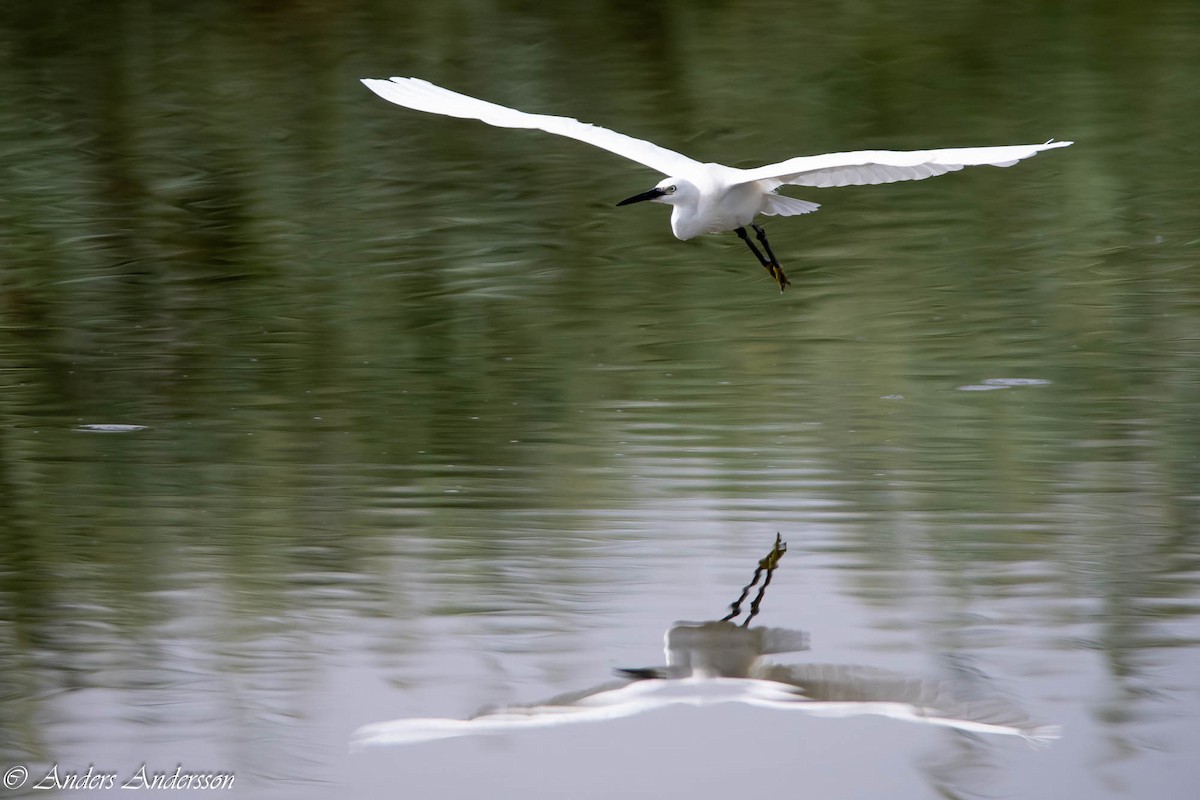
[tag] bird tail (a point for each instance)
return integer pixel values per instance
(778, 205)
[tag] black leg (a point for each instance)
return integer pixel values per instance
(745, 237)
(762, 237)
(767, 565)
(774, 268)
(736, 608)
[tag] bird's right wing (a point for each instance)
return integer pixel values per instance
(422, 95)
(886, 166)
(850, 689)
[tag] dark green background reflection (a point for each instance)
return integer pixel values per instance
(430, 424)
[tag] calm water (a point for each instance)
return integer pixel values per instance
(315, 412)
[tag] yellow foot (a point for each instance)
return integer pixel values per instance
(777, 273)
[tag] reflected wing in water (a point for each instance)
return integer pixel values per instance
(851, 690)
(607, 701)
(783, 640)
(833, 690)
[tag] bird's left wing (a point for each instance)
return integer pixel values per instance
(422, 95)
(887, 166)
(608, 701)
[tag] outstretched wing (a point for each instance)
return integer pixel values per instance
(608, 701)
(424, 96)
(849, 690)
(832, 690)
(887, 166)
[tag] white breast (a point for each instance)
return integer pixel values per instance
(720, 206)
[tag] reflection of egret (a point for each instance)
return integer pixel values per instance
(712, 198)
(721, 662)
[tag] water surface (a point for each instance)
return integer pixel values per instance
(317, 412)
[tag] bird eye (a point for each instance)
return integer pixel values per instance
(670, 190)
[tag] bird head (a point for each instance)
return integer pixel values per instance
(669, 190)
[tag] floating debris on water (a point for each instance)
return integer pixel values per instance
(1017, 382)
(111, 428)
(991, 384)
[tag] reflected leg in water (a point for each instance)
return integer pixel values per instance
(766, 564)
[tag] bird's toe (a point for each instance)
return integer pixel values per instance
(779, 276)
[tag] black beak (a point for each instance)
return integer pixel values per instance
(638, 198)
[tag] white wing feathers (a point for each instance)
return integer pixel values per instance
(778, 205)
(832, 169)
(422, 95)
(886, 166)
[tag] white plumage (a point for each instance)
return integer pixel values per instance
(715, 662)
(712, 198)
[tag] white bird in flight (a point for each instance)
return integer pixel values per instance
(713, 198)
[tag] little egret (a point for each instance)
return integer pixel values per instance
(716, 662)
(713, 198)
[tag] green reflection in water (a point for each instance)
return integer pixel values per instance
(394, 367)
